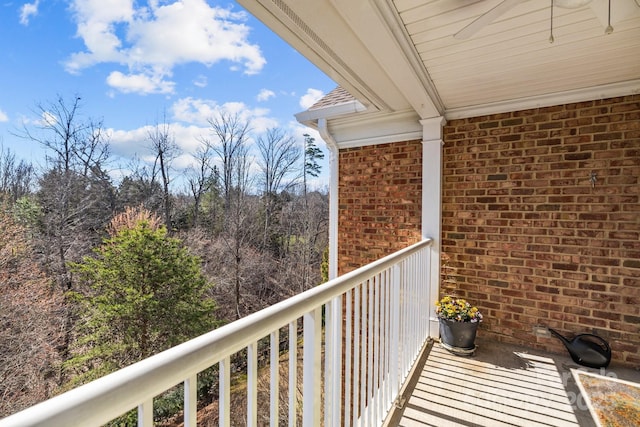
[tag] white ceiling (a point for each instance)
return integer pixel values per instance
(400, 55)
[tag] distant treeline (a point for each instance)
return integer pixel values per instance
(89, 264)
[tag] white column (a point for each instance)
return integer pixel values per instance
(432, 205)
(333, 196)
(333, 349)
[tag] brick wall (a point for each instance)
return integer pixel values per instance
(527, 235)
(379, 202)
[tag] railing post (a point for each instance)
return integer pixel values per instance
(312, 367)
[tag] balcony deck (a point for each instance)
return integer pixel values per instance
(501, 385)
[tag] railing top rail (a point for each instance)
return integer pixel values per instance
(96, 403)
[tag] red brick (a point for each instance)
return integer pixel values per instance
(582, 243)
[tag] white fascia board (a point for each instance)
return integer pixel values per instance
(631, 87)
(381, 34)
(376, 128)
(311, 117)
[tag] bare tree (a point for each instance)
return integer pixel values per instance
(16, 178)
(73, 143)
(238, 229)
(76, 197)
(139, 189)
(201, 177)
(31, 322)
(279, 157)
(165, 149)
(231, 133)
(239, 225)
(75, 192)
(305, 218)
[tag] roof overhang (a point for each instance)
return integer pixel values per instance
(399, 58)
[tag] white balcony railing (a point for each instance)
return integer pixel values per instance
(375, 324)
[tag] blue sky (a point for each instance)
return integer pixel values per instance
(133, 62)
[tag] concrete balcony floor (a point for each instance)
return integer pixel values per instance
(501, 385)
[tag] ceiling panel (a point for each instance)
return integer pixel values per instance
(511, 57)
(401, 56)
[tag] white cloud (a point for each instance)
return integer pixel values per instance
(265, 94)
(3, 116)
(201, 81)
(27, 11)
(135, 142)
(311, 97)
(188, 125)
(196, 111)
(139, 83)
(199, 111)
(48, 119)
(97, 22)
(150, 40)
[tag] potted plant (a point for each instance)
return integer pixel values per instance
(459, 322)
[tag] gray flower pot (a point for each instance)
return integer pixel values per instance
(458, 336)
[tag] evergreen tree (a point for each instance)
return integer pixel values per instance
(312, 153)
(146, 294)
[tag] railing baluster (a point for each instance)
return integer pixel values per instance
(312, 367)
(426, 259)
(333, 356)
(357, 377)
(418, 303)
(348, 344)
(224, 396)
(293, 374)
(410, 314)
(376, 352)
(414, 307)
(252, 384)
(363, 354)
(404, 320)
(424, 301)
(274, 389)
(387, 367)
(383, 343)
(328, 362)
(371, 337)
(145, 413)
(395, 332)
(191, 401)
